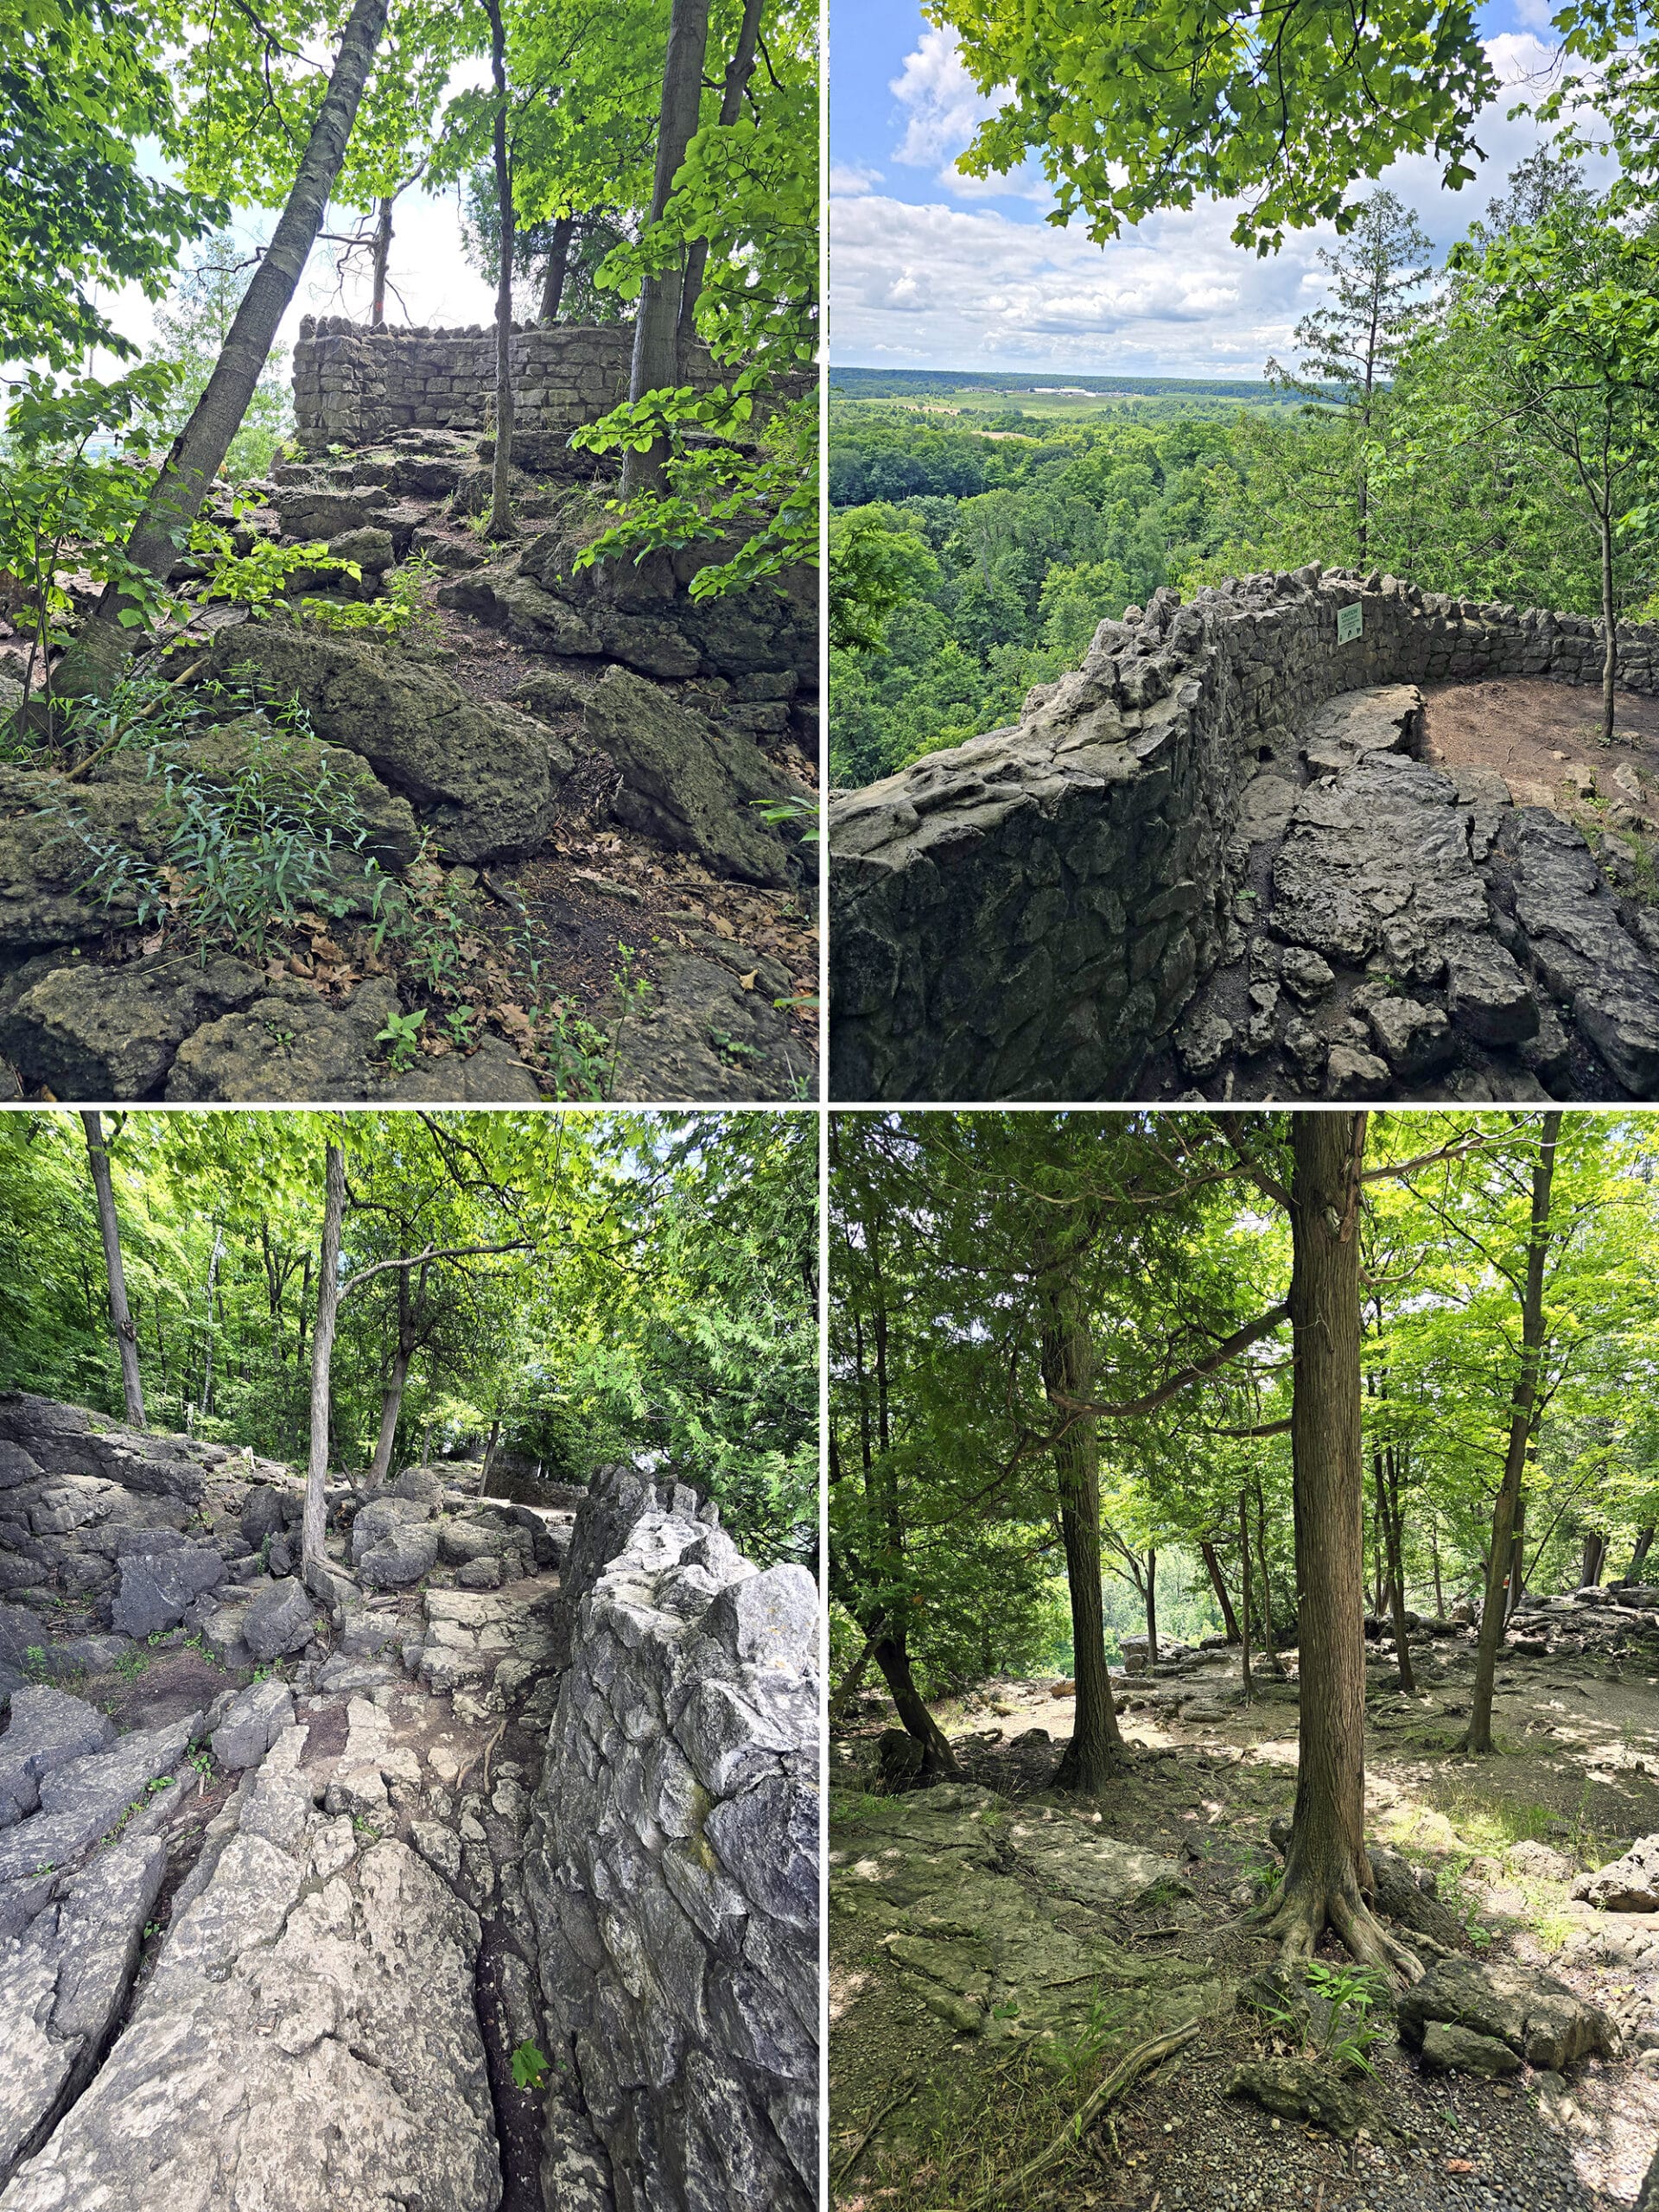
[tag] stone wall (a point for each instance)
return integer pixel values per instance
(1025, 916)
(354, 382)
(672, 1866)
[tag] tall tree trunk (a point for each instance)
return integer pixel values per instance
(739, 70)
(850, 1683)
(207, 1350)
(489, 1457)
(391, 1404)
(500, 524)
(1327, 1875)
(1609, 631)
(382, 256)
(656, 330)
(1245, 1588)
(313, 1559)
(109, 1228)
(1212, 1568)
(1494, 1611)
(1517, 1574)
(104, 646)
(1095, 1751)
(1152, 1610)
(1595, 1551)
(1270, 1634)
(1435, 1555)
(1396, 1578)
(558, 268)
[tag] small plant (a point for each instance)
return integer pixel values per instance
(258, 578)
(131, 1664)
(529, 2067)
(1350, 1992)
(803, 815)
(400, 611)
(37, 1663)
(401, 1038)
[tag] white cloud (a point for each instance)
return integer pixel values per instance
(943, 103)
(849, 179)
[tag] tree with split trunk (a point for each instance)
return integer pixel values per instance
(109, 1230)
(105, 642)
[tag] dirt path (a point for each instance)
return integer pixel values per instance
(1503, 1838)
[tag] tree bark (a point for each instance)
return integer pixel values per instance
(109, 1228)
(558, 268)
(1396, 1578)
(1212, 1568)
(391, 1404)
(207, 1352)
(938, 1760)
(1609, 630)
(489, 1457)
(1096, 1750)
(1245, 1588)
(1595, 1550)
(313, 1559)
(382, 258)
(656, 330)
(1639, 1557)
(1327, 1875)
(739, 70)
(1494, 1611)
(103, 647)
(500, 524)
(1270, 1634)
(1435, 1555)
(1152, 1610)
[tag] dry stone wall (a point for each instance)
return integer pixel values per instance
(671, 1868)
(1027, 915)
(354, 382)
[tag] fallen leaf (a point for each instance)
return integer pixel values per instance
(747, 981)
(1459, 2165)
(722, 927)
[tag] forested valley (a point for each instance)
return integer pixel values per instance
(1462, 423)
(1243, 1605)
(406, 1520)
(453, 687)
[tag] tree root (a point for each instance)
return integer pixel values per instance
(1303, 1910)
(1129, 2067)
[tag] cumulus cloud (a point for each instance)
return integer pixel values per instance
(942, 104)
(849, 179)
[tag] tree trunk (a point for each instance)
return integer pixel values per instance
(739, 70)
(382, 256)
(1435, 1555)
(109, 1228)
(1494, 1611)
(938, 1760)
(391, 1404)
(1244, 1589)
(103, 647)
(1595, 1551)
(313, 1561)
(1638, 1559)
(558, 267)
(1095, 1751)
(489, 1457)
(1270, 1634)
(1212, 1568)
(500, 524)
(842, 1695)
(1609, 631)
(1517, 1574)
(1327, 1876)
(1396, 1578)
(1152, 1610)
(656, 330)
(208, 1351)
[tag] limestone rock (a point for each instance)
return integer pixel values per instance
(1532, 2012)
(681, 784)
(481, 779)
(48, 1728)
(288, 1046)
(1627, 1884)
(1300, 2089)
(700, 1035)
(400, 1557)
(83, 1797)
(88, 1031)
(252, 1722)
(1447, 2048)
(1487, 994)
(156, 1591)
(280, 1620)
(1415, 1039)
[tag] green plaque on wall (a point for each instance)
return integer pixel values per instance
(1351, 621)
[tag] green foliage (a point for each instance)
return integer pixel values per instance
(191, 328)
(401, 610)
(878, 559)
(258, 578)
(402, 1038)
(529, 2067)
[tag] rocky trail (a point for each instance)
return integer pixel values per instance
(994, 1944)
(1417, 922)
(585, 786)
(288, 1892)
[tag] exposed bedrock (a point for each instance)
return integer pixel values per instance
(1209, 862)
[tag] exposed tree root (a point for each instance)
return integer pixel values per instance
(1303, 1910)
(1129, 2067)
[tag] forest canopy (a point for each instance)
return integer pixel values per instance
(622, 1283)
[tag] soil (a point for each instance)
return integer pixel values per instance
(1579, 1751)
(1537, 734)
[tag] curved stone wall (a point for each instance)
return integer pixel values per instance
(672, 1867)
(1027, 915)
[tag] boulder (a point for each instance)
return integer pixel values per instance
(48, 1728)
(290, 1046)
(280, 1620)
(85, 1798)
(400, 1557)
(493, 1075)
(683, 783)
(1630, 1883)
(156, 1590)
(88, 1031)
(1449, 2050)
(1533, 2012)
(252, 1722)
(479, 1572)
(699, 1034)
(368, 545)
(1415, 1039)
(1486, 995)
(1300, 2089)
(482, 778)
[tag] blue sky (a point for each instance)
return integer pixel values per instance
(931, 269)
